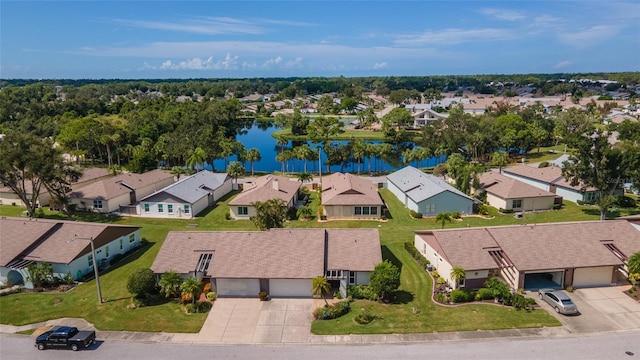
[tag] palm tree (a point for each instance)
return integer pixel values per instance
(191, 286)
(235, 170)
(633, 263)
(170, 283)
(319, 287)
(196, 157)
(304, 212)
(500, 159)
(177, 171)
(457, 274)
(304, 152)
(305, 177)
(358, 150)
(443, 218)
(253, 155)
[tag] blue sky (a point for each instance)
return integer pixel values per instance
(230, 39)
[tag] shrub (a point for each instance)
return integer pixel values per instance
(435, 274)
(441, 280)
(441, 298)
(557, 206)
(506, 211)
(263, 295)
(416, 215)
(385, 279)
(625, 201)
(483, 210)
(227, 216)
(582, 202)
(206, 288)
(460, 296)
(543, 164)
(365, 317)
(455, 215)
(484, 294)
(569, 289)
(411, 249)
(142, 283)
(361, 292)
(211, 295)
(329, 312)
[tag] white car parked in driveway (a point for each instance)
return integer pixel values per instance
(558, 300)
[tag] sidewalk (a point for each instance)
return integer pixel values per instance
(201, 338)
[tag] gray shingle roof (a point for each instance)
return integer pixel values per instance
(193, 188)
(419, 186)
(273, 254)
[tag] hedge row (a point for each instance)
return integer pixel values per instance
(411, 249)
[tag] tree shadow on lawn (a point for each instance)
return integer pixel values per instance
(401, 297)
(387, 254)
(219, 202)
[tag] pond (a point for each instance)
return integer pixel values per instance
(259, 136)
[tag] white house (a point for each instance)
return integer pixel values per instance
(282, 262)
(426, 193)
(66, 245)
(187, 197)
(508, 193)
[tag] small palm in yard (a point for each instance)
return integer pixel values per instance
(457, 274)
(633, 263)
(304, 212)
(442, 218)
(320, 286)
(170, 284)
(191, 286)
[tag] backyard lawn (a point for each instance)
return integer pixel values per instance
(398, 317)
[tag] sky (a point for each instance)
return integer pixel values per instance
(87, 39)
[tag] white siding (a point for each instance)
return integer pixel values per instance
(233, 210)
(238, 287)
(496, 202)
(436, 259)
(223, 190)
(570, 195)
(290, 287)
(592, 276)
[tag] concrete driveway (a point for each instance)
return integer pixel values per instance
(601, 309)
(251, 321)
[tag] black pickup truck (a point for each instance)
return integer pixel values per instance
(65, 337)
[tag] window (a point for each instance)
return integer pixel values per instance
(106, 250)
(146, 207)
(186, 209)
(461, 282)
(243, 210)
(121, 244)
(97, 204)
(132, 238)
(90, 258)
(357, 210)
(365, 210)
(352, 277)
(170, 208)
(424, 248)
(374, 210)
(516, 204)
(160, 209)
(430, 208)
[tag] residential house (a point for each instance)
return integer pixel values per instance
(187, 197)
(89, 176)
(510, 194)
(345, 196)
(66, 245)
(555, 255)
(119, 193)
(262, 189)
(426, 193)
(550, 179)
(282, 262)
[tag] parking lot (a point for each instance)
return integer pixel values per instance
(601, 309)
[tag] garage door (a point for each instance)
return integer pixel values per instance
(238, 287)
(290, 287)
(593, 276)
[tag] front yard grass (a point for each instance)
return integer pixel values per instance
(415, 291)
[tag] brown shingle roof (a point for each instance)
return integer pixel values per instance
(540, 246)
(353, 249)
(265, 188)
(550, 174)
(115, 186)
(94, 173)
(275, 254)
(48, 240)
(509, 188)
(346, 189)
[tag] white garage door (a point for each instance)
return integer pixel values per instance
(593, 276)
(238, 287)
(290, 287)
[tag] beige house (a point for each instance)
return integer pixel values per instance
(262, 189)
(345, 196)
(89, 176)
(108, 195)
(510, 194)
(282, 262)
(554, 255)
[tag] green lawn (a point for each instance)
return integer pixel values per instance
(27, 308)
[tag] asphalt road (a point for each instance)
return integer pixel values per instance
(608, 346)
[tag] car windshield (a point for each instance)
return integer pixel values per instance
(566, 302)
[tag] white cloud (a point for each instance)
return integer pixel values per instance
(380, 65)
(502, 14)
(562, 64)
(588, 37)
(297, 62)
(456, 36)
(274, 61)
(228, 63)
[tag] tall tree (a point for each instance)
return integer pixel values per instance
(253, 155)
(196, 157)
(270, 214)
(235, 170)
(385, 279)
(323, 128)
(29, 165)
(500, 159)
